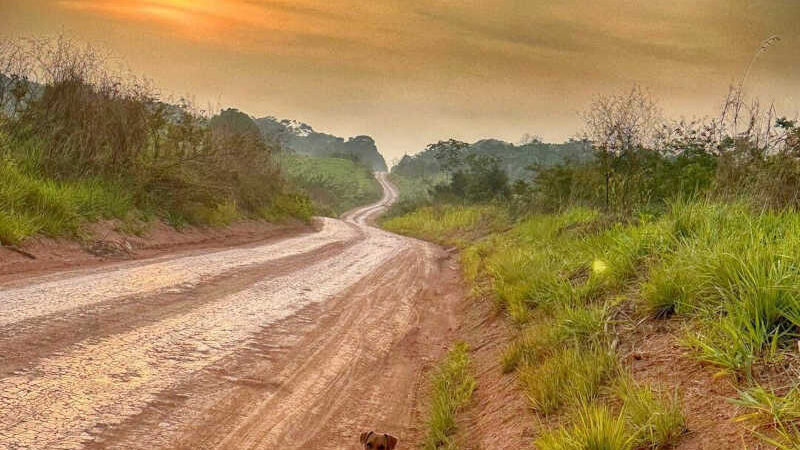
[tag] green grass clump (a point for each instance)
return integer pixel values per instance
(655, 420)
(576, 326)
(582, 325)
(570, 376)
(30, 204)
(335, 185)
(535, 342)
(767, 407)
(15, 226)
(594, 428)
(645, 420)
(450, 224)
(781, 412)
(452, 389)
(737, 274)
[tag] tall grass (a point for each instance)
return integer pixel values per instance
(30, 204)
(450, 224)
(453, 385)
(595, 428)
(655, 419)
(568, 377)
(736, 272)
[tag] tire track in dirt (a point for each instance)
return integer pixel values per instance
(27, 342)
(22, 303)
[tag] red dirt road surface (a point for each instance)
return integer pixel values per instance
(296, 343)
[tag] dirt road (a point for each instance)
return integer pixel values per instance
(299, 343)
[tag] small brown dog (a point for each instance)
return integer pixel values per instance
(375, 441)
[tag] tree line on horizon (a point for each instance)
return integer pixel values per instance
(629, 158)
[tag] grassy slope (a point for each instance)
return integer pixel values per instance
(334, 184)
(450, 224)
(32, 204)
(569, 281)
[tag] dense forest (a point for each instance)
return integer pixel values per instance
(301, 138)
(519, 162)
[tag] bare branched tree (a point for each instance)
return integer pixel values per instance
(14, 64)
(622, 122)
(619, 126)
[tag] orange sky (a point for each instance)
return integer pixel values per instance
(409, 72)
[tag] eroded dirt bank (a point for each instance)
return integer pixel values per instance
(103, 244)
(301, 342)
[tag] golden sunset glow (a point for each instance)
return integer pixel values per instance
(411, 72)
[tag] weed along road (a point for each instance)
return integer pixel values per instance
(297, 343)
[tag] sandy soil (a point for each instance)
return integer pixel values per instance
(301, 342)
(655, 356)
(499, 416)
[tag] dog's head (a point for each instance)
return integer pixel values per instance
(374, 441)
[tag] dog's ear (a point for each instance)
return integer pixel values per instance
(391, 441)
(364, 436)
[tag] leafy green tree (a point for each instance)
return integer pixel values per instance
(449, 154)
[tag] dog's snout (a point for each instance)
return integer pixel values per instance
(375, 441)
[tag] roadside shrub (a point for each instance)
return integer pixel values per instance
(286, 205)
(655, 420)
(595, 428)
(570, 376)
(96, 143)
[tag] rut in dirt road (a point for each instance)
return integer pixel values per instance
(296, 343)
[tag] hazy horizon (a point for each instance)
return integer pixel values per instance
(410, 73)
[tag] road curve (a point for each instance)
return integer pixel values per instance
(299, 343)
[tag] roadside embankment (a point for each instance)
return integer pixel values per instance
(108, 241)
(677, 329)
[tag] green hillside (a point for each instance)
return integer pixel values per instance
(301, 138)
(335, 185)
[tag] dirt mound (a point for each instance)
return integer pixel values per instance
(105, 241)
